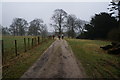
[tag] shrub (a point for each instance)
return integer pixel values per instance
(114, 34)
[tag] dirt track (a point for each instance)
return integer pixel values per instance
(58, 61)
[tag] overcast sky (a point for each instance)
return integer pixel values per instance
(44, 10)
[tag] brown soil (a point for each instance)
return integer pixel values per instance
(58, 61)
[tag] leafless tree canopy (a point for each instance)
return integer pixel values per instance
(37, 27)
(18, 26)
(59, 18)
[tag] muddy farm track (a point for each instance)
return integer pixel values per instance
(58, 61)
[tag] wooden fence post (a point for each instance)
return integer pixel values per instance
(2, 47)
(28, 43)
(38, 40)
(16, 47)
(25, 44)
(32, 42)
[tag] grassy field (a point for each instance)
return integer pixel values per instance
(9, 45)
(15, 66)
(97, 63)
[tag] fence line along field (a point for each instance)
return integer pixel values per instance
(15, 45)
(15, 65)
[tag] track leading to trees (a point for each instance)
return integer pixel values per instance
(58, 61)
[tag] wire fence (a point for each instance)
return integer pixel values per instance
(13, 46)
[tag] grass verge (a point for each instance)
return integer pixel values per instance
(9, 45)
(16, 67)
(97, 63)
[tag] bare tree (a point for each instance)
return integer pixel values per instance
(80, 25)
(71, 25)
(35, 27)
(5, 31)
(74, 25)
(59, 18)
(18, 26)
(44, 31)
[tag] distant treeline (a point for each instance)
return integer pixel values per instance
(101, 26)
(21, 27)
(65, 23)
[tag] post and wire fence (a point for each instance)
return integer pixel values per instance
(14, 47)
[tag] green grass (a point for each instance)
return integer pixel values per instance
(16, 66)
(97, 63)
(9, 45)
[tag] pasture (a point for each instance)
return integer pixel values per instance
(96, 62)
(9, 45)
(14, 66)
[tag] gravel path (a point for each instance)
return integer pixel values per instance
(58, 61)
